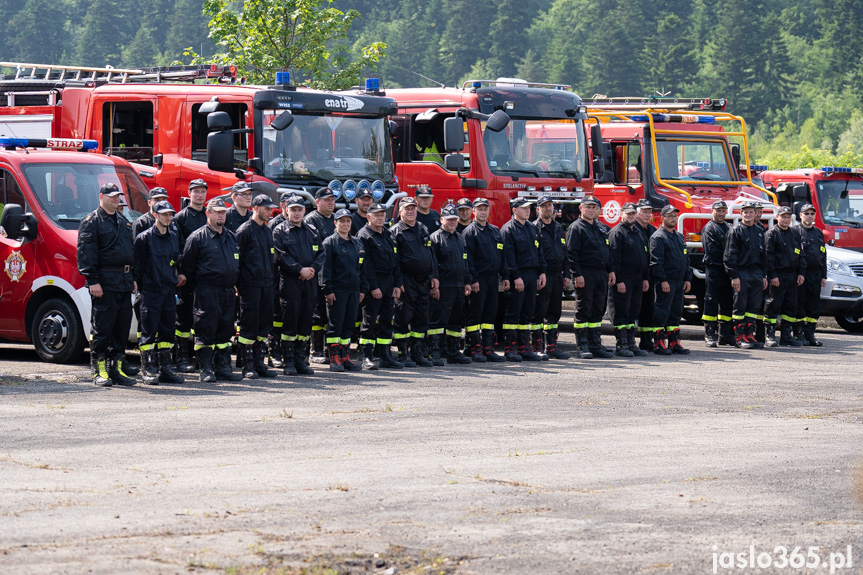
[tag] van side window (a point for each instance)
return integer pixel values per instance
(237, 112)
(127, 131)
(426, 141)
(10, 191)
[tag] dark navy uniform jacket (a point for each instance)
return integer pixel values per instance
(668, 259)
(211, 259)
(157, 257)
(343, 265)
(105, 249)
(382, 258)
(297, 247)
(744, 250)
(451, 256)
(521, 249)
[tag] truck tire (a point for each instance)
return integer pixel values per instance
(850, 323)
(56, 332)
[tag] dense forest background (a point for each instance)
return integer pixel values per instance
(792, 68)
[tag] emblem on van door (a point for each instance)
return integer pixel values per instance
(15, 266)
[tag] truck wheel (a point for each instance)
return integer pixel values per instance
(850, 323)
(57, 333)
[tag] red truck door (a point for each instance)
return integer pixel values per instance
(19, 263)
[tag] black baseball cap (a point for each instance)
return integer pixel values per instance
(293, 200)
(784, 210)
(424, 190)
(480, 202)
(342, 213)
(669, 209)
(464, 203)
(629, 208)
(518, 202)
(110, 189)
(807, 207)
(543, 200)
(364, 193)
(590, 200)
(449, 212)
(405, 202)
(199, 183)
(718, 204)
(263, 201)
(241, 187)
(374, 208)
(216, 205)
(642, 203)
(164, 207)
(324, 193)
(158, 192)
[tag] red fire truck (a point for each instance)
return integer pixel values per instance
(496, 139)
(45, 194)
(678, 152)
(159, 119)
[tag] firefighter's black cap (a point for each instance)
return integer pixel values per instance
(324, 193)
(199, 183)
(110, 189)
(158, 193)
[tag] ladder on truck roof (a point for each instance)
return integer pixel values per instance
(60, 73)
(602, 102)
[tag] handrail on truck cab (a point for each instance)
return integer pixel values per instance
(654, 115)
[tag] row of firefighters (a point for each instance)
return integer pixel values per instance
(300, 284)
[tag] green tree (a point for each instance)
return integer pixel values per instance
(667, 58)
(264, 36)
(461, 44)
(508, 35)
(107, 26)
(188, 28)
(39, 34)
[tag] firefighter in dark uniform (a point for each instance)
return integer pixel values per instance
(484, 244)
(274, 339)
(671, 276)
(146, 221)
(447, 306)
(465, 208)
(191, 218)
(211, 263)
(759, 317)
(384, 279)
(255, 286)
(645, 316)
(526, 265)
(359, 218)
(239, 213)
(157, 256)
(814, 278)
(425, 215)
(630, 263)
(300, 257)
(786, 265)
(717, 284)
(549, 300)
(105, 259)
(344, 287)
(419, 276)
(746, 264)
(592, 273)
(322, 223)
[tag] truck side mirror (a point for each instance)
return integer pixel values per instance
(453, 162)
(601, 156)
(220, 151)
(394, 129)
(801, 192)
(17, 224)
(497, 121)
(282, 121)
(453, 135)
(219, 121)
(735, 154)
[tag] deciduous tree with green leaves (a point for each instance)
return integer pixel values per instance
(308, 37)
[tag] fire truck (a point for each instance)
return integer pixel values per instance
(678, 152)
(495, 139)
(159, 119)
(44, 195)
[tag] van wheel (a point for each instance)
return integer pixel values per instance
(57, 333)
(850, 323)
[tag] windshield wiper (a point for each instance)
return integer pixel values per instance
(534, 173)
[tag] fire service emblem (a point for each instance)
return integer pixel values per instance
(15, 266)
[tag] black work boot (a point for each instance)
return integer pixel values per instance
(301, 357)
(419, 353)
(346, 359)
(488, 347)
(551, 346)
(261, 355)
(809, 333)
(525, 346)
(318, 353)
(385, 352)
(711, 338)
(335, 357)
(798, 332)
(646, 339)
(630, 341)
(659, 345)
(583, 342)
(184, 355)
(453, 355)
(404, 356)
(222, 361)
(760, 333)
(787, 337)
(150, 373)
(129, 368)
(770, 335)
(511, 347)
(595, 342)
(274, 349)
(621, 349)
(116, 370)
(726, 333)
(674, 343)
(166, 373)
(474, 347)
(435, 342)
(246, 357)
(538, 344)
(740, 335)
(368, 353)
(99, 364)
(205, 360)
(751, 335)
(289, 361)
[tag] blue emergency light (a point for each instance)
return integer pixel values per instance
(676, 118)
(53, 143)
(756, 167)
(378, 190)
(840, 170)
(283, 78)
(477, 84)
(373, 84)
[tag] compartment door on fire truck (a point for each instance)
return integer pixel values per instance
(128, 129)
(18, 264)
(627, 185)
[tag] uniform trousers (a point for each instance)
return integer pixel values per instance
(748, 300)
(158, 317)
(256, 313)
(110, 322)
(667, 307)
(342, 313)
(411, 317)
(718, 295)
(626, 306)
(377, 326)
(214, 312)
(590, 299)
(549, 302)
(809, 297)
(520, 304)
(782, 300)
(297, 299)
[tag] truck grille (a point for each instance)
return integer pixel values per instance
(857, 269)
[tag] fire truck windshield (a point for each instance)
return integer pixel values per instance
(841, 202)
(323, 147)
(67, 192)
(538, 149)
(702, 160)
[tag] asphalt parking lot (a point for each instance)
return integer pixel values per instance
(652, 465)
